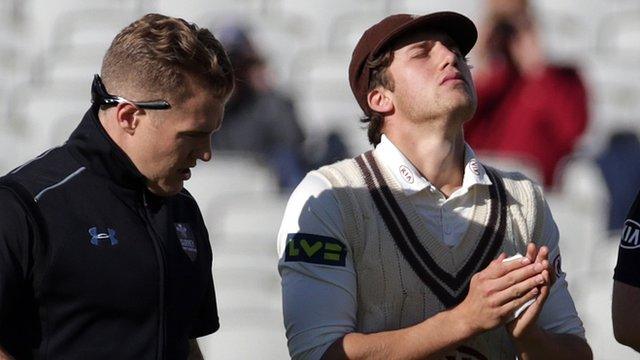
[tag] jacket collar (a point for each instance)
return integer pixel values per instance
(92, 146)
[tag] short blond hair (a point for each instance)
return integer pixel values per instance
(153, 56)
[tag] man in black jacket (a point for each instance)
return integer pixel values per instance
(103, 254)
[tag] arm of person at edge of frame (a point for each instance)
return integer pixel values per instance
(194, 351)
(16, 243)
(626, 314)
(494, 294)
(625, 304)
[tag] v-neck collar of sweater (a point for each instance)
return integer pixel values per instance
(451, 259)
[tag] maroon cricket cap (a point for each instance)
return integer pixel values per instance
(376, 38)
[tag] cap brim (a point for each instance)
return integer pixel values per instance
(460, 28)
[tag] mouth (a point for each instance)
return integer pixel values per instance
(452, 78)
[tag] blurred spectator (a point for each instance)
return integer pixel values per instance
(258, 119)
(321, 151)
(527, 108)
(620, 166)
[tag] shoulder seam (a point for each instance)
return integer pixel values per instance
(59, 183)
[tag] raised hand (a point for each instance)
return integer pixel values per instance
(500, 289)
(527, 319)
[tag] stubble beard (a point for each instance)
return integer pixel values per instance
(460, 107)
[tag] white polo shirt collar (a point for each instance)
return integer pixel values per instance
(413, 182)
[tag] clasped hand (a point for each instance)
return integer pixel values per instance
(496, 292)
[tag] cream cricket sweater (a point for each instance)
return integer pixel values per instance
(406, 275)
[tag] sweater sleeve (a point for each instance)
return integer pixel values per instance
(559, 313)
(318, 276)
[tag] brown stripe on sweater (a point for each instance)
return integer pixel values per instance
(491, 238)
(502, 226)
(399, 239)
(494, 245)
(497, 194)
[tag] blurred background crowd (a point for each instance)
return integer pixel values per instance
(558, 85)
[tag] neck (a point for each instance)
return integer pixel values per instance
(110, 126)
(435, 149)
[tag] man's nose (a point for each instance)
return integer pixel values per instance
(204, 153)
(449, 57)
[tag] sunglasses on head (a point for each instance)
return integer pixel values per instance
(100, 97)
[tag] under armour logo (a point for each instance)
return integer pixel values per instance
(97, 239)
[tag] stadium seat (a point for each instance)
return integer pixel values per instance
(345, 31)
(37, 107)
(42, 16)
(278, 37)
(191, 10)
(322, 13)
(470, 8)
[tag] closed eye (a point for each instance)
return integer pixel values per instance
(419, 54)
(421, 50)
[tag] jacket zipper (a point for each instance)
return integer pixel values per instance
(160, 255)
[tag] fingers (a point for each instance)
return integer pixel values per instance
(532, 252)
(497, 268)
(543, 254)
(515, 304)
(520, 288)
(543, 257)
(499, 259)
(532, 312)
(537, 254)
(518, 275)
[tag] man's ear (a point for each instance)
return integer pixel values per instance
(127, 117)
(379, 100)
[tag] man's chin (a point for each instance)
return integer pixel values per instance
(464, 109)
(165, 189)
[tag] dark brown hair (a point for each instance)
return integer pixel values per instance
(379, 76)
(154, 55)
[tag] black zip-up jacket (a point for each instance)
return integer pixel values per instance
(94, 266)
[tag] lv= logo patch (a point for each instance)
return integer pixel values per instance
(315, 249)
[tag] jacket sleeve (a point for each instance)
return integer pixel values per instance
(206, 320)
(17, 304)
(628, 267)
